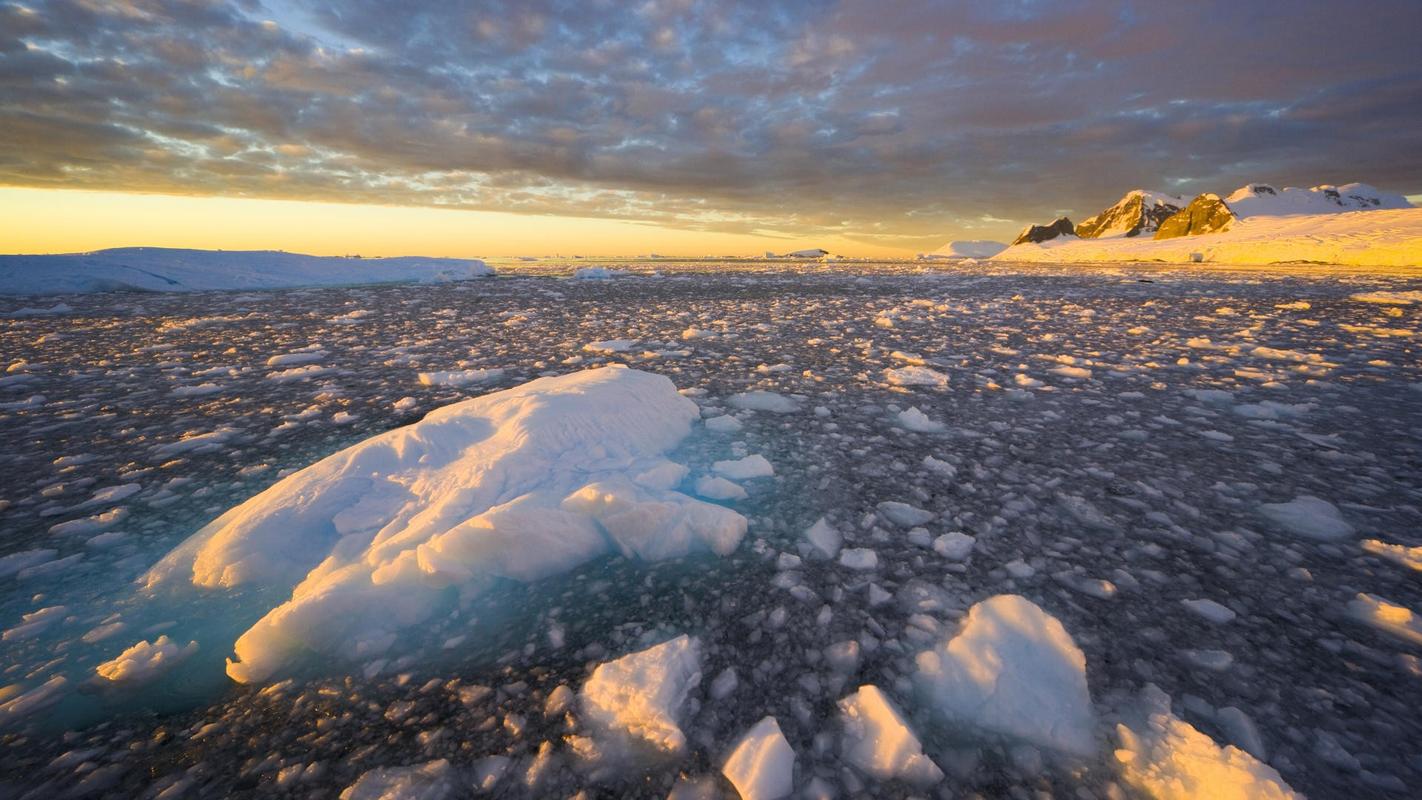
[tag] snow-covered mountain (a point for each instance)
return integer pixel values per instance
(161, 269)
(1353, 224)
(1140, 211)
(1263, 200)
(974, 248)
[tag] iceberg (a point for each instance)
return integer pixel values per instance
(520, 485)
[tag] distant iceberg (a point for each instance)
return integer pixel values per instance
(974, 248)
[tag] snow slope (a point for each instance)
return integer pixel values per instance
(520, 484)
(976, 248)
(1379, 238)
(160, 269)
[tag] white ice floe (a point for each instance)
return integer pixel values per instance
(1410, 557)
(903, 514)
(762, 764)
(433, 780)
(158, 269)
(723, 424)
(520, 484)
(1166, 758)
(915, 376)
(878, 740)
(610, 346)
(915, 420)
(824, 538)
(635, 703)
(459, 377)
(1308, 516)
(18, 704)
(954, 545)
(1387, 617)
(1387, 298)
(292, 359)
(146, 661)
(715, 488)
(753, 466)
(1013, 671)
(1210, 610)
(761, 400)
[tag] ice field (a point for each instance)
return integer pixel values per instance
(836, 530)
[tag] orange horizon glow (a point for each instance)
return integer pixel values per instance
(42, 221)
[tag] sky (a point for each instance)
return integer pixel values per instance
(687, 127)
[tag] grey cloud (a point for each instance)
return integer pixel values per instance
(898, 122)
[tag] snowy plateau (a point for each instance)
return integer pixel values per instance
(944, 528)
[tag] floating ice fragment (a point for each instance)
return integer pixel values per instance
(878, 740)
(825, 539)
(458, 378)
(433, 780)
(1012, 670)
(903, 514)
(1166, 758)
(1309, 517)
(1387, 617)
(915, 376)
(761, 400)
(146, 661)
(754, 466)
(636, 701)
(762, 764)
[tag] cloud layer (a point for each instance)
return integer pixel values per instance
(891, 122)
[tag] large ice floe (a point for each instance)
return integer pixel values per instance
(520, 484)
(1012, 671)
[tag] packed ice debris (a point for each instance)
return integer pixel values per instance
(1308, 516)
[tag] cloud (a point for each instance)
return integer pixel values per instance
(888, 120)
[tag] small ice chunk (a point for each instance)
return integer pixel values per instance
(825, 539)
(1012, 670)
(761, 400)
(461, 377)
(433, 780)
(610, 346)
(1210, 610)
(1309, 517)
(954, 546)
(1166, 758)
(716, 488)
(915, 420)
(723, 424)
(762, 764)
(861, 558)
(1410, 557)
(903, 514)
(638, 698)
(753, 466)
(19, 706)
(146, 661)
(1387, 617)
(915, 376)
(878, 741)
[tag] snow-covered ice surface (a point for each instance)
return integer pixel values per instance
(1135, 452)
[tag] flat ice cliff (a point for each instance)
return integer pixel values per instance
(520, 484)
(161, 269)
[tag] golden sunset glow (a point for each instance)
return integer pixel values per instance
(67, 221)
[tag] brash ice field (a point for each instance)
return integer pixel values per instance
(874, 531)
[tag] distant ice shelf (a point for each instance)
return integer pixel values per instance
(161, 269)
